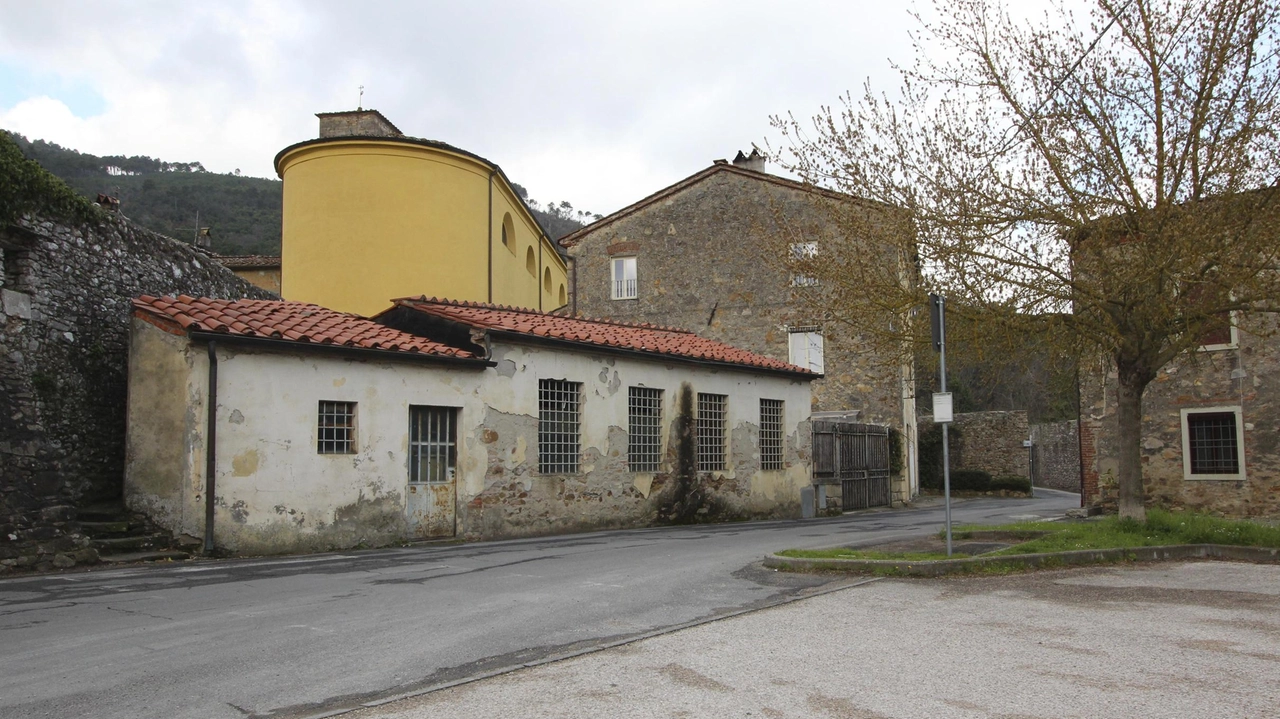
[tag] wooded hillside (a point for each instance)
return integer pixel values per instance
(243, 212)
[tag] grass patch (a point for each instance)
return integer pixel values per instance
(1161, 528)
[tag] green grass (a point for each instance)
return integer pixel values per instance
(1161, 528)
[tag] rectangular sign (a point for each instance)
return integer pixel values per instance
(942, 407)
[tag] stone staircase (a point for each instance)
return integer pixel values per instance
(122, 536)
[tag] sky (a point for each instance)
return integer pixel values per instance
(596, 103)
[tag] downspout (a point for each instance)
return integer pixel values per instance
(210, 448)
(539, 283)
(489, 223)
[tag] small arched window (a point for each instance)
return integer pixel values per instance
(564, 298)
(508, 233)
(531, 263)
(546, 280)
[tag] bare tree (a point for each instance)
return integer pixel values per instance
(1106, 183)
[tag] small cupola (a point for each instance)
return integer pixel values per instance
(356, 123)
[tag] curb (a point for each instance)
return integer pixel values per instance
(942, 567)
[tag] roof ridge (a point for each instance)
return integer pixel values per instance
(540, 313)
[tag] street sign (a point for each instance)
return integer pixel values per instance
(942, 407)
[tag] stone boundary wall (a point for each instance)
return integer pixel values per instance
(1056, 453)
(992, 442)
(65, 296)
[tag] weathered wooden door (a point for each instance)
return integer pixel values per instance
(433, 488)
(858, 456)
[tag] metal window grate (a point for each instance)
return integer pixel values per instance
(710, 431)
(644, 429)
(771, 434)
(1213, 443)
(559, 421)
(433, 445)
(336, 428)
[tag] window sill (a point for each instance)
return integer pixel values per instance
(1213, 477)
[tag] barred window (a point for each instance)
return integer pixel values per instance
(336, 429)
(433, 445)
(1212, 440)
(771, 434)
(710, 431)
(644, 429)
(559, 424)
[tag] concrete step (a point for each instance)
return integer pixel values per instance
(106, 529)
(116, 545)
(103, 513)
(156, 556)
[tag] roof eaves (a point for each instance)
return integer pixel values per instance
(574, 237)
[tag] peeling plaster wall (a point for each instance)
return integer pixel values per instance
(275, 493)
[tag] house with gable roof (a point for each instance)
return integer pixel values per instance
(702, 254)
(276, 426)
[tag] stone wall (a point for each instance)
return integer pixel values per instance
(1056, 452)
(1244, 378)
(703, 264)
(63, 349)
(987, 441)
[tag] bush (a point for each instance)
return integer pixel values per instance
(1011, 482)
(970, 480)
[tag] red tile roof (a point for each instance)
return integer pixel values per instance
(643, 337)
(291, 321)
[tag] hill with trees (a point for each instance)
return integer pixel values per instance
(174, 198)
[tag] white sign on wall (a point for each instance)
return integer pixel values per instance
(942, 407)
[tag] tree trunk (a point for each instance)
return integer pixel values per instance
(1129, 420)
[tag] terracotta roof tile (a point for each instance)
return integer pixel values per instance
(295, 321)
(640, 337)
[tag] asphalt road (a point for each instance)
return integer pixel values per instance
(298, 636)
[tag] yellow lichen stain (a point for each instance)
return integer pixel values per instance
(245, 463)
(339, 382)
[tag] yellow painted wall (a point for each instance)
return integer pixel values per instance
(267, 279)
(366, 221)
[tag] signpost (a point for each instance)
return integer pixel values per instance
(942, 410)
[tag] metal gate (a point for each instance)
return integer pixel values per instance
(857, 455)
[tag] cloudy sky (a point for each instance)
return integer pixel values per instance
(597, 103)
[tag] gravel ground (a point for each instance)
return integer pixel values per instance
(1193, 639)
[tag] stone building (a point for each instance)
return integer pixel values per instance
(1210, 432)
(447, 419)
(66, 290)
(258, 270)
(701, 254)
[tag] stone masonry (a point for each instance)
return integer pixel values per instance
(1056, 449)
(64, 335)
(1244, 377)
(704, 263)
(989, 441)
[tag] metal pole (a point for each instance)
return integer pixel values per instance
(942, 376)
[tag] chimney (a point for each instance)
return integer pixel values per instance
(753, 162)
(356, 123)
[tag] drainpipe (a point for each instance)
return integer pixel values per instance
(573, 282)
(539, 283)
(210, 449)
(489, 223)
